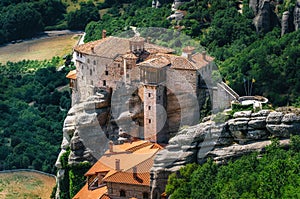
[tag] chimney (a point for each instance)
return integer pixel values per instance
(204, 55)
(148, 40)
(187, 52)
(111, 147)
(103, 34)
(118, 165)
(134, 172)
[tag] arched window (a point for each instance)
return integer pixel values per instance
(145, 195)
(122, 193)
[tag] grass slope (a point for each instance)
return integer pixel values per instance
(25, 184)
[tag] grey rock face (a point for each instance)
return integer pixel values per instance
(297, 15)
(253, 4)
(285, 26)
(244, 133)
(262, 20)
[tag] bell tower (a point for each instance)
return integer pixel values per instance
(153, 77)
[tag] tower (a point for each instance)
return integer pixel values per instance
(153, 77)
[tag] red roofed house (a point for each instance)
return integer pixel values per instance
(122, 172)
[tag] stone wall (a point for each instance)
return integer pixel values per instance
(131, 191)
(222, 140)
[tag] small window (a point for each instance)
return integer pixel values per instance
(91, 72)
(104, 82)
(106, 72)
(88, 61)
(149, 121)
(122, 193)
(149, 94)
(94, 69)
(158, 97)
(145, 195)
(82, 77)
(119, 65)
(149, 108)
(92, 83)
(94, 62)
(81, 66)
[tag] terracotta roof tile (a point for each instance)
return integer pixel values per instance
(135, 156)
(98, 167)
(201, 61)
(141, 177)
(105, 196)
(130, 178)
(86, 193)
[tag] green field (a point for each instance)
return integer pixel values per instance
(39, 49)
(25, 185)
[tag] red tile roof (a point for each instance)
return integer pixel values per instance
(201, 60)
(86, 193)
(137, 156)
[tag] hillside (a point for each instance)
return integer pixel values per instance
(32, 113)
(24, 184)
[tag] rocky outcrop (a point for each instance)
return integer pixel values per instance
(297, 15)
(222, 140)
(265, 19)
(84, 133)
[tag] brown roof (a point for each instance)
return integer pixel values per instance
(86, 193)
(111, 47)
(157, 62)
(105, 196)
(201, 61)
(141, 177)
(188, 49)
(71, 74)
(137, 154)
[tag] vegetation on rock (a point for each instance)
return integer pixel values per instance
(273, 174)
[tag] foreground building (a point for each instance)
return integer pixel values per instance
(122, 172)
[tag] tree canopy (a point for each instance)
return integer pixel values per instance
(274, 174)
(32, 114)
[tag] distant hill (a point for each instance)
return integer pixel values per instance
(25, 184)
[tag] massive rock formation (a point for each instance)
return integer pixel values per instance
(297, 15)
(266, 17)
(221, 140)
(84, 133)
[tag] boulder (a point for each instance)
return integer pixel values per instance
(257, 123)
(290, 118)
(283, 130)
(274, 117)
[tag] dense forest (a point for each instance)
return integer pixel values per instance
(33, 105)
(272, 174)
